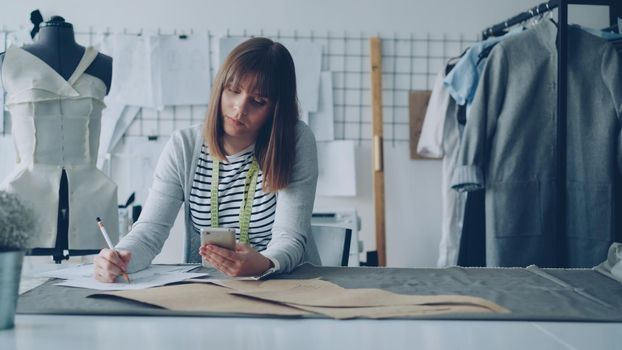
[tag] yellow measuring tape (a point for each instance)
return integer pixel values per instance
(250, 184)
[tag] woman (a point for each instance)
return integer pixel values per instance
(251, 135)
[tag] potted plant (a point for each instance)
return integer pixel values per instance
(17, 226)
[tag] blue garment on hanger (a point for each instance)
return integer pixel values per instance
(602, 34)
(607, 35)
(462, 81)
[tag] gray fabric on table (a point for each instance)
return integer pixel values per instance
(529, 295)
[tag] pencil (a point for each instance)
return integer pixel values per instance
(100, 224)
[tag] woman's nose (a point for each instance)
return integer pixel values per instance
(240, 108)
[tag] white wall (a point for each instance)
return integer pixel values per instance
(412, 187)
(369, 16)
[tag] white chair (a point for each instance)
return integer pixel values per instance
(333, 244)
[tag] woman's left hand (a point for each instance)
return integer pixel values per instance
(243, 261)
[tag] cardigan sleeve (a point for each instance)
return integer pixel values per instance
(166, 195)
(481, 124)
(292, 221)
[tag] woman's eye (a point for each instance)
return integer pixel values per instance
(260, 102)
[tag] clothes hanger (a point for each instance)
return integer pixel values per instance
(550, 11)
(535, 19)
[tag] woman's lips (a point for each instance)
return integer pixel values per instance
(235, 121)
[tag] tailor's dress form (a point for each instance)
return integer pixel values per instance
(55, 126)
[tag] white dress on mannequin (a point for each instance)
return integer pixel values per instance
(56, 126)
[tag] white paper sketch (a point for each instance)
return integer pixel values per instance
(135, 72)
(337, 168)
(152, 276)
(2, 111)
(185, 69)
(8, 156)
(116, 119)
(86, 270)
(133, 163)
(322, 122)
(18, 38)
(308, 61)
(226, 45)
(27, 284)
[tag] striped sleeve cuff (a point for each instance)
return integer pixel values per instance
(467, 178)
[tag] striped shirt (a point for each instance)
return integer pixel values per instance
(230, 194)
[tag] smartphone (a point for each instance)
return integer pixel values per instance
(222, 237)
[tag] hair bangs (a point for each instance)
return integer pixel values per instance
(256, 72)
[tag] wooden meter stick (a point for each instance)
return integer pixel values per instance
(375, 49)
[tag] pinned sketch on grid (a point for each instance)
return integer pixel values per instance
(155, 275)
(3, 43)
(2, 111)
(18, 38)
(226, 45)
(8, 156)
(337, 168)
(105, 43)
(322, 122)
(307, 61)
(185, 69)
(135, 70)
(133, 163)
(154, 71)
(115, 121)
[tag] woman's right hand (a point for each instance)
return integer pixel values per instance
(109, 264)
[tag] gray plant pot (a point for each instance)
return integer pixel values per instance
(10, 274)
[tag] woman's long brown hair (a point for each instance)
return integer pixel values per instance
(271, 69)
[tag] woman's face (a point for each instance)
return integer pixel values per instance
(244, 112)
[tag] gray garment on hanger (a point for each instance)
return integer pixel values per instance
(509, 148)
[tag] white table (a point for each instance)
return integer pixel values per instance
(39, 332)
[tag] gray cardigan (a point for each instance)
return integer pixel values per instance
(172, 182)
(509, 148)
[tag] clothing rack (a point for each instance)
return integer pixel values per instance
(615, 10)
(499, 29)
